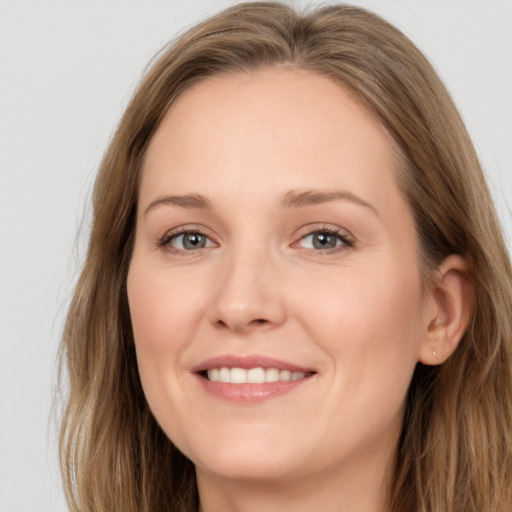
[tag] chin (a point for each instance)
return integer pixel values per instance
(236, 458)
(242, 468)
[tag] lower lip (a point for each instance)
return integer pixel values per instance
(250, 393)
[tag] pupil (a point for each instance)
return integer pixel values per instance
(193, 241)
(324, 241)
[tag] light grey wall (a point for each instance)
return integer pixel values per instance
(66, 70)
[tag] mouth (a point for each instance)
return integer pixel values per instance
(257, 375)
(250, 379)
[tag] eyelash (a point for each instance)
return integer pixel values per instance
(346, 241)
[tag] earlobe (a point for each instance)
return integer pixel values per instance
(449, 310)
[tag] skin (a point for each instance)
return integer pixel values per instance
(358, 314)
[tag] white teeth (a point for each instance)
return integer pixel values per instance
(213, 374)
(253, 375)
(272, 375)
(238, 376)
(256, 375)
(285, 375)
(224, 375)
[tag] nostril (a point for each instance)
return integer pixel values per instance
(257, 321)
(241, 326)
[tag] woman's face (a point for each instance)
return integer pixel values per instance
(273, 246)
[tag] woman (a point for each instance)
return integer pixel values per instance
(296, 295)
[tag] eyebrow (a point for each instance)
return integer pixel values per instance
(292, 199)
(195, 201)
(300, 198)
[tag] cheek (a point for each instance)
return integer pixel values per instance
(163, 309)
(368, 321)
(163, 319)
(363, 300)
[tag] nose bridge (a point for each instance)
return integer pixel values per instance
(248, 293)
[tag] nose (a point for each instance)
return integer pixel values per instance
(248, 294)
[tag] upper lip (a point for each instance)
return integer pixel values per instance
(247, 362)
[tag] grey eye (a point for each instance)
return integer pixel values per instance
(321, 240)
(190, 241)
(325, 241)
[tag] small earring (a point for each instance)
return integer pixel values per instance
(435, 353)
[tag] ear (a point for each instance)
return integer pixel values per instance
(448, 311)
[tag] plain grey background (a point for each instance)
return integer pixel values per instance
(66, 71)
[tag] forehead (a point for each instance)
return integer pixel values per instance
(294, 128)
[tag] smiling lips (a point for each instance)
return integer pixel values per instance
(250, 379)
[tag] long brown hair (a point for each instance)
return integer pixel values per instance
(455, 451)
